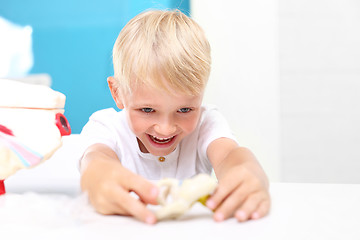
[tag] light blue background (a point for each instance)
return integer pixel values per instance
(73, 40)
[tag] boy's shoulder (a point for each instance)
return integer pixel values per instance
(107, 116)
(106, 120)
(207, 110)
(208, 107)
(211, 116)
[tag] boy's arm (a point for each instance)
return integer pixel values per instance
(243, 185)
(108, 185)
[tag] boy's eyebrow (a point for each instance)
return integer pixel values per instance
(142, 104)
(147, 105)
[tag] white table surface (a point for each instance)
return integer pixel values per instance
(299, 211)
(45, 203)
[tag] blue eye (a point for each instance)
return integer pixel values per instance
(147, 110)
(184, 110)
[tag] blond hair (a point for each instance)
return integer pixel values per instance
(162, 49)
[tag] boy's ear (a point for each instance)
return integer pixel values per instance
(115, 92)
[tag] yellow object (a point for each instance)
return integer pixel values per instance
(203, 199)
(175, 199)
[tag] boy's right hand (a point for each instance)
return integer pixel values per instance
(109, 184)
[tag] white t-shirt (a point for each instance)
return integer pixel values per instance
(188, 159)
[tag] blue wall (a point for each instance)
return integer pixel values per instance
(73, 40)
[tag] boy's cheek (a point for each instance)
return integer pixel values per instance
(137, 124)
(191, 124)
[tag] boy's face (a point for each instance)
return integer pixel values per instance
(161, 120)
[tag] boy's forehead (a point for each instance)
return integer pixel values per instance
(158, 80)
(162, 87)
(146, 95)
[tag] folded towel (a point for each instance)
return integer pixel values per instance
(31, 125)
(23, 95)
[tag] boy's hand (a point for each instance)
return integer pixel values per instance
(240, 194)
(109, 184)
(243, 188)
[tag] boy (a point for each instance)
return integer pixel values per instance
(161, 66)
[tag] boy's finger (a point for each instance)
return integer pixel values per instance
(147, 191)
(222, 191)
(248, 207)
(255, 206)
(262, 210)
(231, 203)
(134, 207)
(112, 209)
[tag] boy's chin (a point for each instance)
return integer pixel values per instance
(160, 152)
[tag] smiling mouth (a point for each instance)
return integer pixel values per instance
(161, 140)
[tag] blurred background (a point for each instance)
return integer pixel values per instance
(286, 73)
(72, 42)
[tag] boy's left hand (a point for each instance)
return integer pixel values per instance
(242, 192)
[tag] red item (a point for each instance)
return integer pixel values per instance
(2, 187)
(6, 130)
(62, 124)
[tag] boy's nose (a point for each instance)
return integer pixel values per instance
(165, 128)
